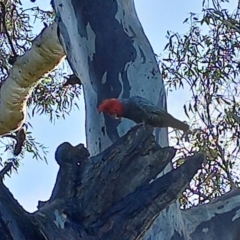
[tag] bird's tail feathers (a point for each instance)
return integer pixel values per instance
(169, 121)
(175, 123)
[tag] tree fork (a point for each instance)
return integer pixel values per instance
(114, 195)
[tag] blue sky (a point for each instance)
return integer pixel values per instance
(35, 179)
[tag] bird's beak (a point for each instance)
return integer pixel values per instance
(115, 116)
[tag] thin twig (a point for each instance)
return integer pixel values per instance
(6, 169)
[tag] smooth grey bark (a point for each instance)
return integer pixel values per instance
(108, 50)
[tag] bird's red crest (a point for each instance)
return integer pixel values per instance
(111, 106)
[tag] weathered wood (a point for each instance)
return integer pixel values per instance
(15, 222)
(114, 195)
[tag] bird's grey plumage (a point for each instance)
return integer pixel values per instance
(140, 109)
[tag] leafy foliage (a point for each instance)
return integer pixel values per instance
(54, 99)
(205, 61)
(50, 97)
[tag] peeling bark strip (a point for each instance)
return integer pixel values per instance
(108, 50)
(109, 196)
(45, 53)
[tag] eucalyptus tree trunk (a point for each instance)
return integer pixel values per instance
(108, 50)
(121, 191)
